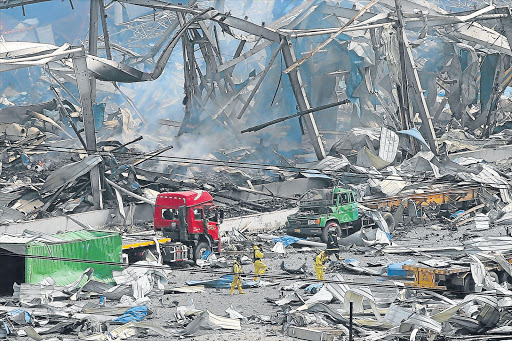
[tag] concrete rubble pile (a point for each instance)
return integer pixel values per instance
(156, 154)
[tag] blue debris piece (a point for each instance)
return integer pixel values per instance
(350, 261)
(206, 254)
(223, 282)
(313, 288)
(416, 134)
(16, 312)
(286, 240)
(99, 114)
(395, 269)
(133, 314)
(456, 214)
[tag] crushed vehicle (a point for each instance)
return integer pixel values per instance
(322, 210)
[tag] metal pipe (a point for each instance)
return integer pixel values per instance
(127, 143)
(350, 334)
(136, 196)
(301, 113)
(65, 113)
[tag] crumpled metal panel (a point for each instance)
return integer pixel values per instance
(69, 173)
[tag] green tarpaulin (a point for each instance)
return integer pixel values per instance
(87, 245)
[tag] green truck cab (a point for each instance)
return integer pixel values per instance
(322, 210)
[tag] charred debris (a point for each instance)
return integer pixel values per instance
(388, 122)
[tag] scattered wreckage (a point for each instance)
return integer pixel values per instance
(119, 217)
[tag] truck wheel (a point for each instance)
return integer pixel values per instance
(469, 284)
(504, 277)
(200, 249)
(390, 220)
(325, 230)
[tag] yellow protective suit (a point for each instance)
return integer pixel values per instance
(259, 266)
(237, 278)
(319, 265)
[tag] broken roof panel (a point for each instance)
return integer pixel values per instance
(69, 173)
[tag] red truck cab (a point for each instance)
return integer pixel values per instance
(189, 217)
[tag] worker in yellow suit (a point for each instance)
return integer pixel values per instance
(237, 276)
(259, 266)
(320, 259)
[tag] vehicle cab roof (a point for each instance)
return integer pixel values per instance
(341, 190)
(189, 198)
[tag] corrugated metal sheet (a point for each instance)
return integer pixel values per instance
(481, 222)
(388, 144)
(87, 245)
(6, 198)
(392, 185)
(69, 173)
(331, 163)
(497, 244)
(9, 215)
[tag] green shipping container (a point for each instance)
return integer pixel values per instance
(87, 245)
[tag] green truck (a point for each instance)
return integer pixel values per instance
(334, 209)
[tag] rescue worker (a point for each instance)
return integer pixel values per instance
(237, 276)
(320, 259)
(259, 266)
(333, 247)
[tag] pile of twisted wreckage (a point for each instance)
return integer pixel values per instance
(406, 104)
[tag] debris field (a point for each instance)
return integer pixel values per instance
(255, 170)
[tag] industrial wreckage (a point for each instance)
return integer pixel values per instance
(140, 161)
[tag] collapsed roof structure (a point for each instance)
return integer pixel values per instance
(403, 104)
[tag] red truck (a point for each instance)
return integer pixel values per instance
(190, 218)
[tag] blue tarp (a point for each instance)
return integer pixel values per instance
(223, 282)
(133, 314)
(286, 240)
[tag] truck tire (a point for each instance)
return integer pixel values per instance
(327, 227)
(504, 277)
(200, 249)
(469, 284)
(390, 220)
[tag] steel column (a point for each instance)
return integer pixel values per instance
(84, 89)
(301, 98)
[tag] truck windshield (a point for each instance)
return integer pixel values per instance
(317, 197)
(344, 198)
(170, 214)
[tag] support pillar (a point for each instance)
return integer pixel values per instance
(301, 98)
(93, 39)
(84, 89)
